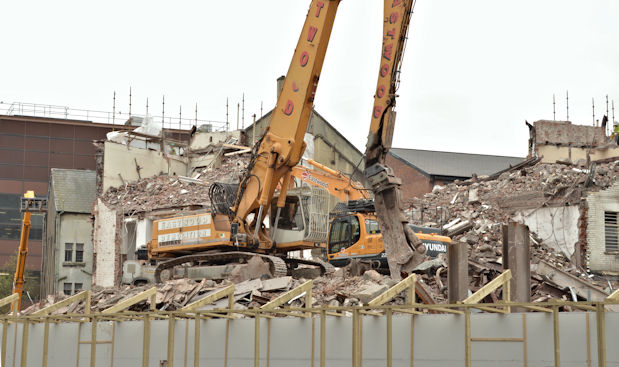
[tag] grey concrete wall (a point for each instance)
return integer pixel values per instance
(598, 202)
(438, 340)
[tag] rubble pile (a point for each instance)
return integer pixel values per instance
(335, 290)
(230, 170)
(173, 191)
(474, 211)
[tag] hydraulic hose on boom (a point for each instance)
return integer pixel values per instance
(402, 247)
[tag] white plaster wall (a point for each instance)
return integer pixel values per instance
(557, 227)
(74, 228)
(598, 202)
(144, 232)
(104, 241)
(201, 140)
(121, 160)
(551, 153)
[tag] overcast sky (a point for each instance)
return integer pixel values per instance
(473, 71)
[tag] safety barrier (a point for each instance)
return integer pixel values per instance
(279, 335)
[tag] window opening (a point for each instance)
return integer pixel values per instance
(68, 252)
(79, 252)
(611, 230)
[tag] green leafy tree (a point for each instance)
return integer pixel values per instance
(31, 286)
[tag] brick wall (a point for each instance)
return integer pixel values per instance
(598, 202)
(414, 183)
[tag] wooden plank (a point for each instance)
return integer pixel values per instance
(491, 309)
(238, 152)
(305, 287)
(242, 147)
(538, 308)
(388, 295)
(217, 295)
(123, 305)
(58, 305)
(489, 288)
(371, 313)
(613, 297)
(6, 300)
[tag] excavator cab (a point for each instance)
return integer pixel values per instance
(303, 220)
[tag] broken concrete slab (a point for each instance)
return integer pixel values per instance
(247, 286)
(255, 268)
(372, 275)
(369, 292)
(566, 280)
(276, 284)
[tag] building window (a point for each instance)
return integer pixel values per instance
(79, 252)
(78, 288)
(67, 289)
(68, 252)
(611, 231)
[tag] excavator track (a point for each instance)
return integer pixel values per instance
(325, 267)
(277, 265)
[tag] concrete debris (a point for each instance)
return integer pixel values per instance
(164, 192)
(369, 291)
(474, 211)
(471, 212)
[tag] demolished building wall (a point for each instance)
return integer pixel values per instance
(201, 140)
(564, 141)
(106, 245)
(122, 163)
(556, 226)
(600, 256)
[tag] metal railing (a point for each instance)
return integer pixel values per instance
(103, 117)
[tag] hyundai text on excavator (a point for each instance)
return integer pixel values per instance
(354, 234)
(235, 229)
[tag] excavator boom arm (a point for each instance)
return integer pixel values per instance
(282, 146)
(402, 247)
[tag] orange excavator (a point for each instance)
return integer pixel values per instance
(29, 203)
(339, 185)
(245, 222)
(235, 229)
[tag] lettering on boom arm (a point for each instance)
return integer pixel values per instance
(386, 66)
(304, 59)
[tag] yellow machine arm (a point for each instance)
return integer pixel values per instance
(403, 249)
(338, 185)
(282, 146)
(29, 203)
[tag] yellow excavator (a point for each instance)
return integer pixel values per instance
(238, 227)
(29, 203)
(354, 233)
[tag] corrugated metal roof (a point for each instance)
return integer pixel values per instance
(74, 190)
(454, 164)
